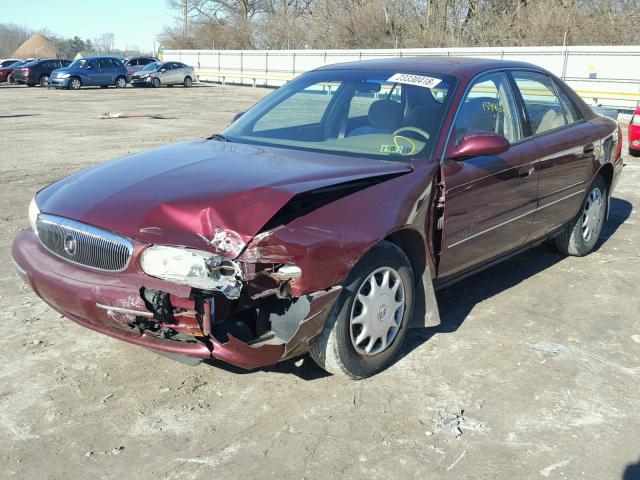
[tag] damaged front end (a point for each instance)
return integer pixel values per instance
(244, 314)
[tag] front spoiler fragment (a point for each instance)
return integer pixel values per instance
(84, 296)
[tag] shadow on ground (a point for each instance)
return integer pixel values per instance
(457, 301)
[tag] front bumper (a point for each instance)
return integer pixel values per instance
(57, 82)
(137, 81)
(81, 295)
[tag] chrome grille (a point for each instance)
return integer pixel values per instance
(83, 244)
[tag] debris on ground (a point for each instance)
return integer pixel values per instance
(112, 116)
(479, 404)
(117, 450)
(548, 347)
(458, 423)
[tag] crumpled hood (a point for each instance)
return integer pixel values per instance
(203, 194)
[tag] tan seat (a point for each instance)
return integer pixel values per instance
(550, 120)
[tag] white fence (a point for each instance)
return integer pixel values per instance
(607, 76)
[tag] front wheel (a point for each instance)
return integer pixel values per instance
(581, 234)
(155, 82)
(75, 84)
(368, 323)
(121, 82)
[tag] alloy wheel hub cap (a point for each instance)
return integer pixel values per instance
(377, 312)
(592, 215)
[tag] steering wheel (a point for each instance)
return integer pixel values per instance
(417, 130)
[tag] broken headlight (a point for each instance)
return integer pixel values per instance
(193, 268)
(34, 211)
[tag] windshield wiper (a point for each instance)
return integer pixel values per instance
(219, 137)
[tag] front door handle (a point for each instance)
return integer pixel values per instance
(526, 171)
(589, 148)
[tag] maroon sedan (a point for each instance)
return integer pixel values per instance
(320, 217)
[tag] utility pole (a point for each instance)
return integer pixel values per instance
(185, 20)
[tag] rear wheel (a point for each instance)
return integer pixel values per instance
(75, 84)
(187, 82)
(368, 323)
(155, 82)
(581, 234)
(44, 81)
(121, 82)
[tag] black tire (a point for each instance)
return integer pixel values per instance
(334, 350)
(75, 84)
(633, 152)
(155, 82)
(121, 82)
(187, 82)
(44, 81)
(572, 240)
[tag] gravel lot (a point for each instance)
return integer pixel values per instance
(75, 404)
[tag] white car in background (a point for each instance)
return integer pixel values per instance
(168, 73)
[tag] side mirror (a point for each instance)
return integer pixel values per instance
(237, 116)
(162, 70)
(479, 144)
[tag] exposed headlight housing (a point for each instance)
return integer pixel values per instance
(193, 268)
(34, 211)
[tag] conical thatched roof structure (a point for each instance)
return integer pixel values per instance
(38, 46)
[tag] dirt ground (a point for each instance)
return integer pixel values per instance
(75, 404)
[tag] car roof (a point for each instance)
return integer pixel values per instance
(99, 57)
(458, 66)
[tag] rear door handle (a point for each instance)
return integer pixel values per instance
(589, 148)
(526, 171)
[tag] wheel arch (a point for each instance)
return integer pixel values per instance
(425, 312)
(607, 173)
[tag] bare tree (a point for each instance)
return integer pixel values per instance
(11, 37)
(403, 23)
(105, 43)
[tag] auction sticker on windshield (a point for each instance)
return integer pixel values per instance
(417, 80)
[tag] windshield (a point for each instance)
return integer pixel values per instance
(80, 63)
(151, 67)
(353, 112)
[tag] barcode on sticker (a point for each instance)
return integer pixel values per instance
(417, 80)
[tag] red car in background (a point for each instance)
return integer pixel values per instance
(8, 70)
(321, 216)
(634, 134)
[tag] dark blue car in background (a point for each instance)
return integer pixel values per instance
(90, 72)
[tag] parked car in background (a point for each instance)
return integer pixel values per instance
(91, 72)
(164, 73)
(38, 72)
(634, 134)
(135, 64)
(9, 61)
(6, 73)
(321, 216)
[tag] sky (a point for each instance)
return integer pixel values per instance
(134, 22)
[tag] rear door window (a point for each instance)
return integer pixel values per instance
(542, 104)
(106, 63)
